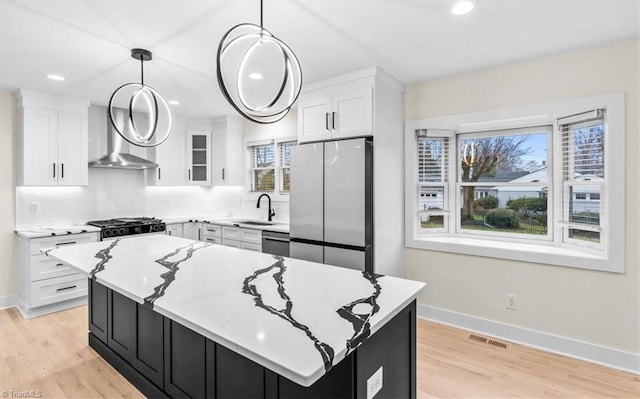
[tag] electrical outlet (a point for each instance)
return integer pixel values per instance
(374, 384)
(34, 207)
(510, 302)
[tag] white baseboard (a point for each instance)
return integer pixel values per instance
(609, 357)
(8, 301)
(28, 313)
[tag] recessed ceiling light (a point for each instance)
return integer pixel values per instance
(464, 7)
(55, 77)
(255, 76)
(174, 102)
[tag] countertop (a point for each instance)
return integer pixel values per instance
(236, 221)
(54, 231)
(294, 317)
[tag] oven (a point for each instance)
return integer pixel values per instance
(128, 227)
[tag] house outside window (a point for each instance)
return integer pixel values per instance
(503, 187)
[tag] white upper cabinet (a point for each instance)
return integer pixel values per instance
(53, 140)
(330, 111)
(227, 151)
(199, 158)
(170, 157)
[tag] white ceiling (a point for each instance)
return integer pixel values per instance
(89, 42)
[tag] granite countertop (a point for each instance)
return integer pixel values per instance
(54, 231)
(296, 318)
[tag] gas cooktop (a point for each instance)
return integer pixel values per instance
(128, 226)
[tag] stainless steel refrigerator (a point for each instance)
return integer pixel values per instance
(331, 203)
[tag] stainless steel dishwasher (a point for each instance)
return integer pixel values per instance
(275, 243)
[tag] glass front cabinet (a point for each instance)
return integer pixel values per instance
(199, 158)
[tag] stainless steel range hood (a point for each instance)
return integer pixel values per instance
(117, 150)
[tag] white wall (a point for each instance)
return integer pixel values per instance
(285, 128)
(594, 307)
(8, 273)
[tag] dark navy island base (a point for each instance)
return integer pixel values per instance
(162, 358)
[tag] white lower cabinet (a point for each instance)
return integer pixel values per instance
(48, 285)
(192, 230)
(175, 229)
(239, 237)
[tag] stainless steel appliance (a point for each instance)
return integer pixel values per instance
(119, 227)
(331, 203)
(275, 243)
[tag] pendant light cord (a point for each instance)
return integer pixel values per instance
(261, 25)
(141, 71)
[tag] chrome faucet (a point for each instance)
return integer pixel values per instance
(270, 212)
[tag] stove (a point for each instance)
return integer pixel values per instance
(119, 227)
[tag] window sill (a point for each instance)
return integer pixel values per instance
(544, 254)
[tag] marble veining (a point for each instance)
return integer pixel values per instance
(361, 321)
(326, 351)
(104, 255)
(294, 317)
(173, 267)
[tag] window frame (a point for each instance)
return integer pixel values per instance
(277, 194)
(520, 237)
(611, 257)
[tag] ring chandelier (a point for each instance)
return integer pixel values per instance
(259, 75)
(150, 120)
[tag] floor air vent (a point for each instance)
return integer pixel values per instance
(487, 341)
(478, 338)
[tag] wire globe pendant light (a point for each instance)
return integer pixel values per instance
(259, 75)
(138, 112)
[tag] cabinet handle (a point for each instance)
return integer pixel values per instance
(59, 264)
(276, 239)
(222, 173)
(169, 232)
(54, 170)
(66, 288)
(326, 120)
(62, 167)
(65, 243)
(159, 174)
(333, 120)
(189, 178)
(199, 238)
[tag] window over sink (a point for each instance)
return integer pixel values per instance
(269, 165)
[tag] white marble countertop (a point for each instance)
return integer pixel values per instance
(54, 231)
(282, 313)
(232, 221)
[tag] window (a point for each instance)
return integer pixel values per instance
(263, 167)
(536, 183)
(512, 165)
(583, 176)
(284, 151)
(433, 150)
(270, 166)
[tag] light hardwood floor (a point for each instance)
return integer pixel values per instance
(50, 354)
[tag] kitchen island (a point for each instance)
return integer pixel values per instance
(185, 318)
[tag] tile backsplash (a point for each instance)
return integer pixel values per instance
(124, 193)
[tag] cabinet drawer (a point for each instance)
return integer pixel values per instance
(213, 240)
(50, 242)
(45, 292)
(45, 267)
(240, 234)
(211, 230)
(231, 233)
(251, 246)
(252, 236)
(232, 243)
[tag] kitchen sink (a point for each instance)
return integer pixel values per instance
(254, 223)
